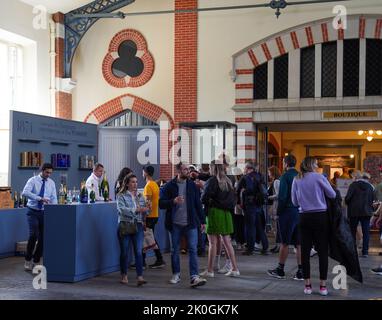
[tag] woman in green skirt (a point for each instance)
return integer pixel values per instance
(219, 200)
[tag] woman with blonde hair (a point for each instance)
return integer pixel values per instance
(219, 200)
(309, 192)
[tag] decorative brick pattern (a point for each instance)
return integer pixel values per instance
(244, 71)
(148, 61)
(280, 45)
(63, 105)
(148, 110)
(253, 58)
(186, 62)
(325, 34)
(267, 54)
(362, 26)
(244, 86)
(293, 36)
(243, 101)
(242, 120)
(309, 36)
(378, 26)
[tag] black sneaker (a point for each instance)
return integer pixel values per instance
(277, 273)
(248, 253)
(275, 249)
(377, 271)
(157, 264)
(298, 276)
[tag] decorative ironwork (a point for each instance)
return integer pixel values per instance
(130, 119)
(75, 28)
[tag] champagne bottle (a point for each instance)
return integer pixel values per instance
(21, 200)
(106, 194)
(84, 193)
(15, 200)
(92, 195)
(104, 185)
(61, 195)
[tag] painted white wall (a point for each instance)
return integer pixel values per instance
(92, 90)
(223, 33)
(17, 18)
(16, 26)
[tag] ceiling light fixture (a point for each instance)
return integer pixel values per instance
(369, 138)
(360, 132)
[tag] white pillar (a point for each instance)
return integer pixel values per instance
(318, 71)
(271, 71)
(362, 69)
(340, 69)
(294, 75)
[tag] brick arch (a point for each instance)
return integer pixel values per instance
(305, 35)
(129, 102)
(145, 108)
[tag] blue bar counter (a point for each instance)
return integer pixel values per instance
(13, 228)
(80, 241)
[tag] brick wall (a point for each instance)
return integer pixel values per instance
(186, 44)
(63, 99)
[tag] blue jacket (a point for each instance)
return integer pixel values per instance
(195, 212)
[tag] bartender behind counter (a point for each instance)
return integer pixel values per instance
(95, 180)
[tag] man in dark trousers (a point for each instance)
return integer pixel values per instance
(254, 192)
(39, 190)
(181, 198)
(287, 215)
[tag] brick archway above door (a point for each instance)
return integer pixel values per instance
(130, 102)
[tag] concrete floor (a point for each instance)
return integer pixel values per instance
(253, 284)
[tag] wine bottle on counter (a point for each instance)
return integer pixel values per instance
(106, 194)
(21, 200)
(104, 185)
(15, 200)
(92, 195)
(61, 195)
(84, 193)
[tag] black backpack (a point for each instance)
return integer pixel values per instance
(255, 192)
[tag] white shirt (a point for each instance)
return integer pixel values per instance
(93, 179)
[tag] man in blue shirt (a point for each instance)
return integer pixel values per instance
(39, 190)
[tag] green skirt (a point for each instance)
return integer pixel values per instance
(219, 222)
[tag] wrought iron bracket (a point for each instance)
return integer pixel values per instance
(75, 28)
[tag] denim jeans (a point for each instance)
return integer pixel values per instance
(192, 240)
(125, 243)
(36, 233)
(253, 221)
(365, 224)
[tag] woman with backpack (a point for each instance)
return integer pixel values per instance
(219, 200)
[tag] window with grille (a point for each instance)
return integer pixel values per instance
(130, 119)
(260, 81)
(281, 77)
(329, 69)
(307, 74)
(373, 67)
(351, 68)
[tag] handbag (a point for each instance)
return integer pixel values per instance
(127, 228)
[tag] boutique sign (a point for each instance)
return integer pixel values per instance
(350, 114)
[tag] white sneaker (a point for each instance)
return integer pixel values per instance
(208, 274)
(313, 252)
(225, 269)
(308, 290)
(197, 282)
(175, 278)
(28, 265)
(323, 291)
(232, 273)
(258, 246)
